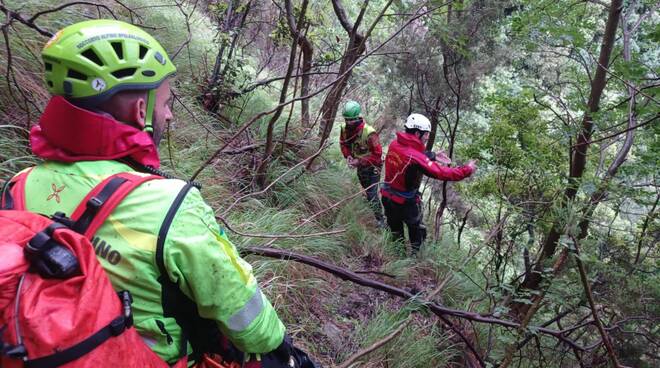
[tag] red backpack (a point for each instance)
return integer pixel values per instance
(57, 306)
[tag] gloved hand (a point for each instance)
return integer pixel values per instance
(352, 162)
(287, 356)
(472, 164)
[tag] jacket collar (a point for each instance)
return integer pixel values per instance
(68, 133)
(410, 140)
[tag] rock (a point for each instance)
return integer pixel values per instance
(334, 334)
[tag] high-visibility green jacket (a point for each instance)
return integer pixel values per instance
(356, 144)
(362, 143)
(197, 254)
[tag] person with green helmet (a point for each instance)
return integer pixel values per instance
(111, 98)
(361, 148)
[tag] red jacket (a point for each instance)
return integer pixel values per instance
(350, 139)
(406, 163)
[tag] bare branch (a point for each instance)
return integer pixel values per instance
(279, 236)
(592, 304)
(19, 17)
(353, 358)
(64, 6)
(186, 16)
(356, 25)
(318, 152)
(647, 122)
(341, 15)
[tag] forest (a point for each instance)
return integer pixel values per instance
(547, 256)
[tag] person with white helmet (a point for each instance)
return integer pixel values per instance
(406, 163)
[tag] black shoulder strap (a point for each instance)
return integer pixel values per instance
(99, 203)
(203, 334)
(94, 204)
(165, 227)
(172, 299)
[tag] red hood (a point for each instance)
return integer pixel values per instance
(68, 133)
(410, 140)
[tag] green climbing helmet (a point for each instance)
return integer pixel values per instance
(90, 61)
(351, 110)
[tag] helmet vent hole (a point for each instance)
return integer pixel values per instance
(68, 88)
(50, 84)
(123, 73)
(92, 56)
(48, 66)
(119, 49)
(143, 51)
(76, 75)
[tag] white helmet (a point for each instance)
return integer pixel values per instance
(418, 121)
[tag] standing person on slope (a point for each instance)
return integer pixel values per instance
(110, 86)
(405, 165)
(362, 150)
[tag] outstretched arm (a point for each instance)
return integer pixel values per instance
(437, 171)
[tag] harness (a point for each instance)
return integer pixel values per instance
(399, 196)
(358, 142)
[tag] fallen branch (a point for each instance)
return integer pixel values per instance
(387, 338)
(375, 272)
(312, 217)
(437, 309)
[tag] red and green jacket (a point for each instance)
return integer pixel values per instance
(362, 143)
(197, 253)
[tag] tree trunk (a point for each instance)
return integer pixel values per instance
(234, 39)
(433, 116)
(308, 53)
(331, 103)
(268, 150)
(578, 161)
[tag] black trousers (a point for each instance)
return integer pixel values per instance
(409, 213)
(368, 176)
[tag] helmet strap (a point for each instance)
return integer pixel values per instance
(148, 120)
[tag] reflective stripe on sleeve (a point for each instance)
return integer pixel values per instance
(240, 320)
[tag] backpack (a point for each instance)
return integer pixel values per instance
(57, 305)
